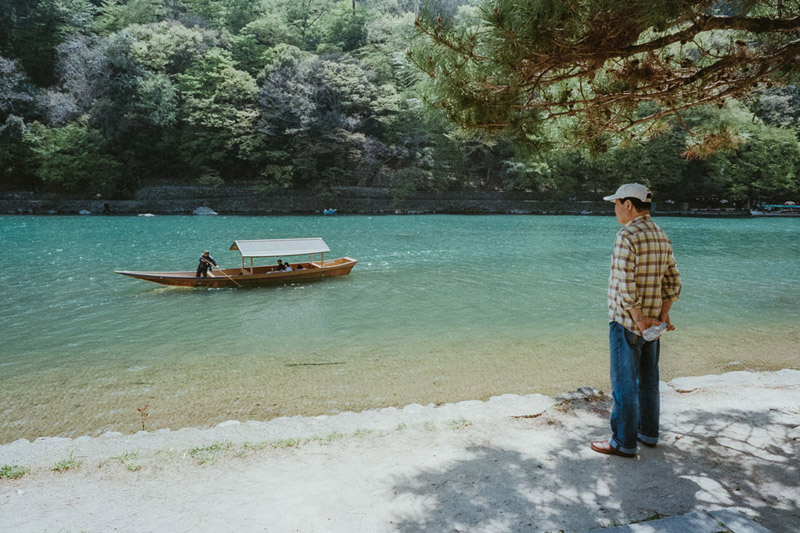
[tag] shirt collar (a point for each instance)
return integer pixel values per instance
(641, 218)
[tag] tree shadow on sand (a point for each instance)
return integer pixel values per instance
(706, 461)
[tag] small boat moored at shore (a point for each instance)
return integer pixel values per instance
(259, 275)
(789, 209)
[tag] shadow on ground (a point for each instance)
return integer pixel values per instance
(705, 461)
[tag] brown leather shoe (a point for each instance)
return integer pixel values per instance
(603, 446)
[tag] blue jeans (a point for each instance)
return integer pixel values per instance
(634, 387)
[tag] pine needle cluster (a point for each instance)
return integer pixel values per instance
(599, 69)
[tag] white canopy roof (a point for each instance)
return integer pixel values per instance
(278, 247)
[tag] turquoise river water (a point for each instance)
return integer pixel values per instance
(438, 309)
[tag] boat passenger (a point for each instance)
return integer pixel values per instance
(280, 266)
(287, 267)
(205, 263)
(299, 267)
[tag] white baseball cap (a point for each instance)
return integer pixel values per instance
(631, 190)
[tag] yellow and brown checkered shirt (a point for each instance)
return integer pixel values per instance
(643, 272)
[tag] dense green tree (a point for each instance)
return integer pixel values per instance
(168, 47)
(14, 155)
(83, 77)
(304, 17)
(16, 102)
(228, 14)
(217, 116)
(259, 36)
(346, 29)
(764, 164)
(72, 158)
(16, 91)
(321, 111)
(777, 106)
(140, 113)
(116, 15)
(31, 31)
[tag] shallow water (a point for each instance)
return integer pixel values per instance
(438, 309)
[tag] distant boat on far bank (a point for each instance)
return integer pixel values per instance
(788, 209)
(329, 211)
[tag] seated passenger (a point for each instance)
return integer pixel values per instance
(280, 266)
(299, 267)
(287, 267)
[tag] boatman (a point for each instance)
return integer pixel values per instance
(206, 262)
(644, 283)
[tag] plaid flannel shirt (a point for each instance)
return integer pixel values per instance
(643, 272)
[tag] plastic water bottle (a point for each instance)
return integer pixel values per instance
(654, 332)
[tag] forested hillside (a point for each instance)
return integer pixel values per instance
(105, 96)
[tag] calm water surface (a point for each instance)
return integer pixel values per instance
(438, 309)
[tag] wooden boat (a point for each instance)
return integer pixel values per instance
(259, 275)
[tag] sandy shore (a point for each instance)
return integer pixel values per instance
(513, 463)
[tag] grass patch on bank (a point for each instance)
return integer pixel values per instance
(333, 436)
(12, 471)
(286, 443)
(459, 423)
(327, 439)
(210, 454)
(130, 460)
(68, 463)
(249, 448)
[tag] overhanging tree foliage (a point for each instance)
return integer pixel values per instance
(105, 96)
(600, 68)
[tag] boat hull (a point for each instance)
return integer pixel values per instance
(237, 277)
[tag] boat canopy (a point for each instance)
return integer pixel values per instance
(279, 247)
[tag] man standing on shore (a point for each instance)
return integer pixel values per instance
(643, 285)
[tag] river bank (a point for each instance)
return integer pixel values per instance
(513, 463)
(251, 200)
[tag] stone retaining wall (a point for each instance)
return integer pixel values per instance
(248, 199)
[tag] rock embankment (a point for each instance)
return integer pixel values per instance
(250, 200)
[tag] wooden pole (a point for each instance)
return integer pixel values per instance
(227, 276)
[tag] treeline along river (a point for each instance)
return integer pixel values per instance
(438, 309)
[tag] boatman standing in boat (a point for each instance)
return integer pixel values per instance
(643, 285)
(206, 262)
